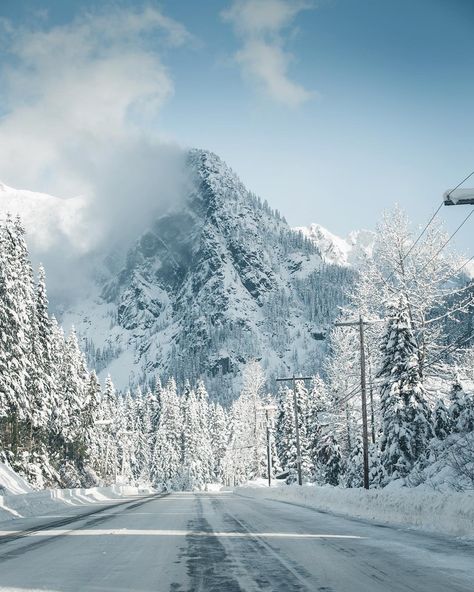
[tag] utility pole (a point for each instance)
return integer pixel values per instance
(100, 423)
(269, 451)
(267, 409)
(293, 379)
(363, 386)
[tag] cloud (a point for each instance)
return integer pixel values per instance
(261, 26)
(80, 106)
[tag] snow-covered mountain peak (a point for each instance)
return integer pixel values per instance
(351, 251)
(211, 285)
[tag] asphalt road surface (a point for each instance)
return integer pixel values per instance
(223, 542)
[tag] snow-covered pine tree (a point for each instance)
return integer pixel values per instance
(145, 439)
(167, 452)
(219, 432)
(376, 470)
(193, 477)
(108, 428)
(329, 456)
(457, 399)
(319, 416)
(354, 473)
(16, 301)
(205, 452)
(406, 426)
(92, 432)
(285, 438)
(441, 420)
(286, 433)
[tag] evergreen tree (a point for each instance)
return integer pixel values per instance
(354, 474)
(166, 458)
(457, 399)
(441, 420)
(219, 432)
(329, 455)
(405, 413)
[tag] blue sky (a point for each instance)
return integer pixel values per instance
(333, 112)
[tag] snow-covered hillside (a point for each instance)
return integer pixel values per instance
(340, 251)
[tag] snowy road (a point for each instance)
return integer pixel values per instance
(225, 543)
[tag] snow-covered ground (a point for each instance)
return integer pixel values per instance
(422, 508)
(19, 500)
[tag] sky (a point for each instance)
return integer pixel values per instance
(332, 110)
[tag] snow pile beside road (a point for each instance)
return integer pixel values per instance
(442, 512)
(18, 500)
(11, 482)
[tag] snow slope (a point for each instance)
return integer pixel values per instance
(340, 251)
(443, 512)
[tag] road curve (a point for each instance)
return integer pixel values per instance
(187, 542)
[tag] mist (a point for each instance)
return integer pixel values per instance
(83, 104)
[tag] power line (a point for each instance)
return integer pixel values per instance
(458, 342)
(422, 232)
(428, 225)
(459, 185)
(448, 240)
(456, 271)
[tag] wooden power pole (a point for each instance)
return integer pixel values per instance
(363, 387)
(293, 379)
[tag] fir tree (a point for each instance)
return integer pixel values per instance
(405, 413)
(441, 420)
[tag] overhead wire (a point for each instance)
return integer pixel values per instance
(427, 225)
(459, 184)
(447, 240)
(460, 341)
(357, 389)
(462, 266)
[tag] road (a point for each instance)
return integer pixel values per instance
(223, 542)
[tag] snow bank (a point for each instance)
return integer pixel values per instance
(448, 513)
(10, 482)
(18, 500)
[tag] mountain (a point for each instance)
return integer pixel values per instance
(209, 286)
(216, 281)
(352, 250)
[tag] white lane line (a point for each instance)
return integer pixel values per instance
(148, 514)
(155, 532)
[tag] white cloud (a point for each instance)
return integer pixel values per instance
(92, 79)
(80, 103)
(261, 25)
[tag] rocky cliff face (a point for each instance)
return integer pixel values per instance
(209, 286)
